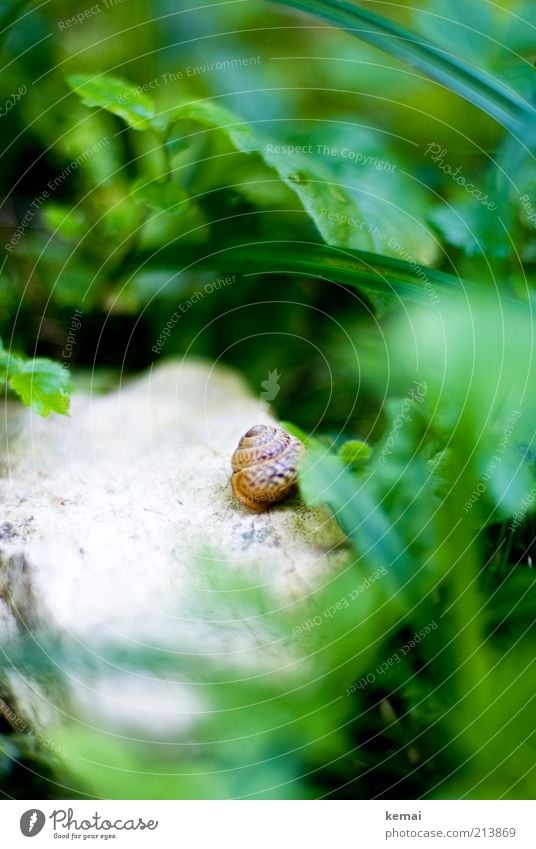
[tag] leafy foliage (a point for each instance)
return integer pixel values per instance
(341, 221)
(41, 384)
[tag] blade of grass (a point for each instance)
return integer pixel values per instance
(476, 86)
(384, 280)
(377, 276)
(381, 278)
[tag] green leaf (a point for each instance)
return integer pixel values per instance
(43, 385)
(479, 88)
(162, 197)
(118, 97)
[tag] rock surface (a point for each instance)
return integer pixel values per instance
(105, 515)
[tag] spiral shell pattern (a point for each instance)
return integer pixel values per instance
(264, 466)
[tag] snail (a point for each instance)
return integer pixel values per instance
(264, 466)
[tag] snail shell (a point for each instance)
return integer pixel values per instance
(264, 466)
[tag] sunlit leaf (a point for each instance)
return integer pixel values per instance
(348, 220)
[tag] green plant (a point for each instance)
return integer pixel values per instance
(410, 266)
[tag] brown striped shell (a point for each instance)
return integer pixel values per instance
(264, 466)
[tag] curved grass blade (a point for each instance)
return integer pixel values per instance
(479, 88)
(384, 280)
